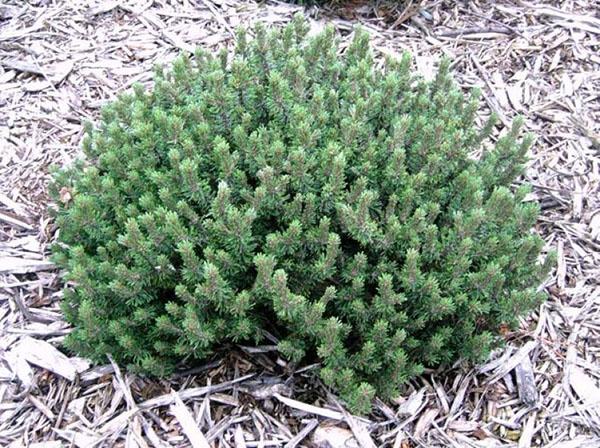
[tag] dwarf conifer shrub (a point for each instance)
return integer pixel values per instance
(355, 212)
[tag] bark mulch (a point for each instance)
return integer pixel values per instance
(61, 60)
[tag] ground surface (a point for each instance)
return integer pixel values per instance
(61, 60)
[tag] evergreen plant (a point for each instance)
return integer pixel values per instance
(356, 212)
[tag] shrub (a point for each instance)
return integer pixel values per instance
(298, 191)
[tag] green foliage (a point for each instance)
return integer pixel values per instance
(292, 189)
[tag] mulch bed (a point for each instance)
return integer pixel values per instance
(61, 60)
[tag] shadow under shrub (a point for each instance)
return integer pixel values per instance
(306, 193)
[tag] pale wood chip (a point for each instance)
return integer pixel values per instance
(193, 392)
(15, 222)
(295, 441)
(334, 437)
(460, 395)
(528, 431)
(44, 355)
(425, 422)
(526, 382)
(42, 407)
(77, 438)
(514, 361)
(62, 60)
(309, 408)
(412, 403)
(239, 439)
(19, 367)
(188, 425)
(16, 265)
(585, 388)
(103, 7)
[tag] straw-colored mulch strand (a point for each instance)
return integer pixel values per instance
(61, 60)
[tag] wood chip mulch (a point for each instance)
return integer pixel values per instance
(60, 60)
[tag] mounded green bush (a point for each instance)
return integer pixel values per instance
(355, 212)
